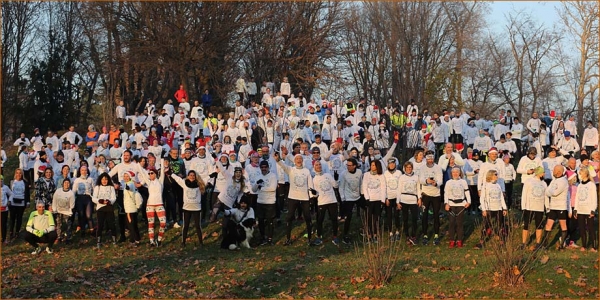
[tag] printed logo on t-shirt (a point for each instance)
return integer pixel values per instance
(457, 192)
(392, 183)
(80, 188)
(538, 191)
(582, 194)
(374, 184)
(300, 180)
(324, 185)
(410, 187)
(192, 195)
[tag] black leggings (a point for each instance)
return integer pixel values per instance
(16, 218)
(509, 193)
(304, 207)
(84, 207)
(494, 221)
(107, 214)
(188, 215)
(346, 208)
(373, 214)
(474, 198)
(529, 215)
(265, 215)
(414, 215)
(392, 212)
(332, 210)
(282, 191)
(4, 221)
(428, 202)
(456, 218)
(134, 231)
(587, 231)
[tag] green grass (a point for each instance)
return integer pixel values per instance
(80, 270)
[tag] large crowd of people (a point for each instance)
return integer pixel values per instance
(279, 156)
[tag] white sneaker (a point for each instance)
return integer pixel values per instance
(176, 225)
(37, 251)
(49, 250)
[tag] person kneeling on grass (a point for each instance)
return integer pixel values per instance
(240, 227)
(40, 229)
(456, 199)
(493, 207)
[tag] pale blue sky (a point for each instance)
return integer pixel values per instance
(543, 11)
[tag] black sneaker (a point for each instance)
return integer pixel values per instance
(158, 242)
(425, 241)
(270, 242)
(436, 241)
(264, 242)
(347, 241)
(287, 242)
(479, 246)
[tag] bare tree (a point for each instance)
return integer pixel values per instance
(580, 21)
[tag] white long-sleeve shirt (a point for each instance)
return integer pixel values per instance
(492, 198)
(300, 181)
(267, 193)
(434, 172)
(350, 185)
(556, 194)
(63, 202)
(526, 164)
(534, 194)
(325, 185)
(391, 182)
(590, 137)
(409, 189)
(374, 187)
(455, 190)
(192, 197)
(106, 192)
(587, 199)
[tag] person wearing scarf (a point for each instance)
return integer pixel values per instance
(193, 188)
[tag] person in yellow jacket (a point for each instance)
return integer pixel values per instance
(40, 229)
(398, 120)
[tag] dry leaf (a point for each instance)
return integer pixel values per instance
(474, 261)
(516, 271)
(416, 270)
(544, 259)
(567, 274)
(434, 262)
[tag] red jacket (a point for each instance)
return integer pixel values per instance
(180, 94)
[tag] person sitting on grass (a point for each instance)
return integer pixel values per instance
(493, 207)
(456, 199)
(40, 229)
